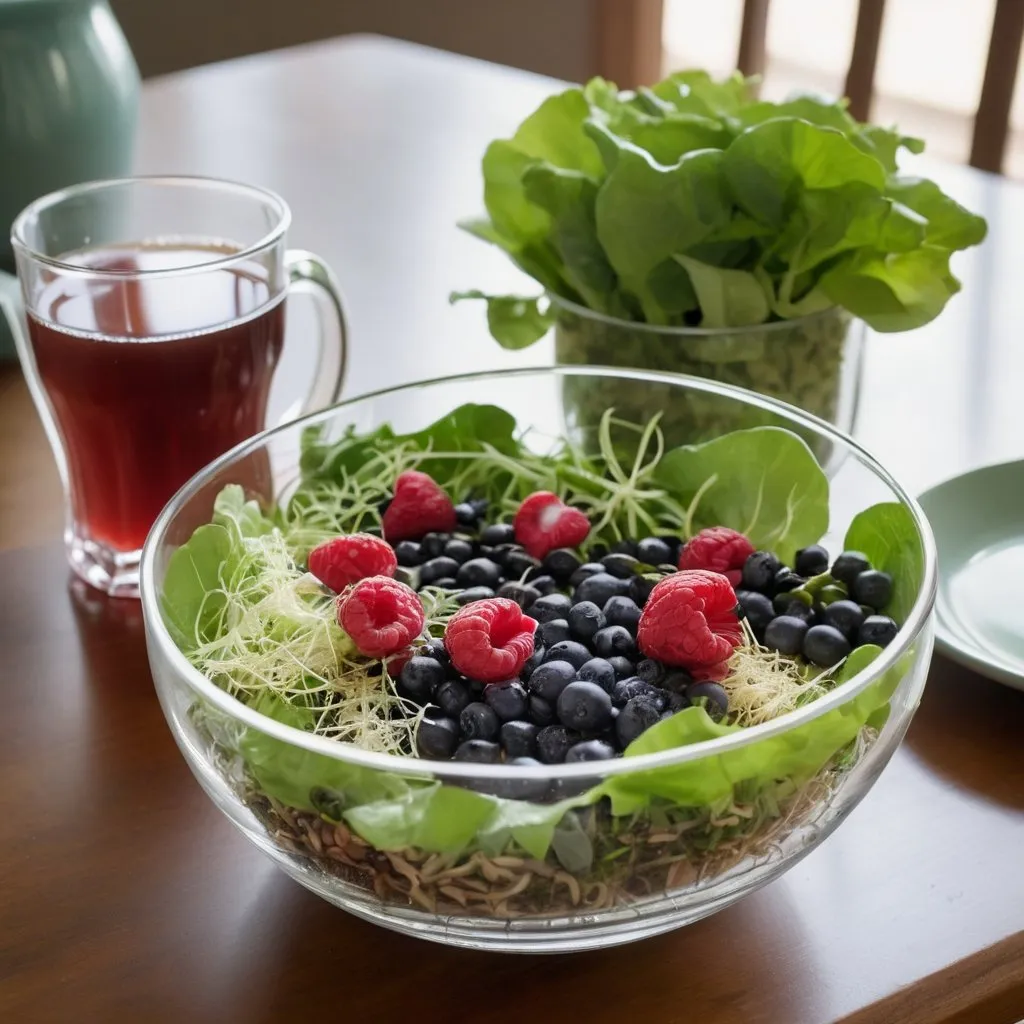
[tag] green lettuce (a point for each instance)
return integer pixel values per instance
(691, 203)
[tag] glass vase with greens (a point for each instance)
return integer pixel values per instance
(694, 228)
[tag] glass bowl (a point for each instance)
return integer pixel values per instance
(690, 830)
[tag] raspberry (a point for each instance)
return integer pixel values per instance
(489, 640)
(544, 522)
(381, 615)
(351, 558)
(418, 507)
(717, 549)
(690, 622)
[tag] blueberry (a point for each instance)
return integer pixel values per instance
(544, 584)
(433, 544)
(434, 649)
(584, 572)
(507, 699)
(553, 606)
(499, 553)
(597, 551)
(626, 689)
(599, 671)
(786, 580)
(798, 610)
(584, 707)
(759, 571)
(846, 616)
(452, 696)
(520, 789)
(622, 611)
(519, 563)
(640, 588)
(561, 563)
(437, 738)
(531, 663)
(877, 629)
(620, 565)
(785, 634)
(569, 650)
(676, 702)
(446, 583)
(473, 594)
(459, 549)
(650, 671)
(636, 717)
(419, 678)
(811, 561)
(408, 553)
(524, 594)
(553, 632)
(589, 750)
(518, 739)
(653, 551)
(825, 646)
(711, 697)
(497, 533)
(551, 678)
(480, 751)
(479, 572)
(599, 588)
(614, 640)
(585, 619)
(478, 722)
(553, 743)
(849, 565)
(438, 568)
(466, 514)
(623, 547)
(873, 588)
(622, 667)
(676, 680)
(757, 608)
(539, 710)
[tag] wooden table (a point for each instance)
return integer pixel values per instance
(127, 897)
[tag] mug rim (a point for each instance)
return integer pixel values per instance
(194, 181)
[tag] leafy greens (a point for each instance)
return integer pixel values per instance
(692, 203)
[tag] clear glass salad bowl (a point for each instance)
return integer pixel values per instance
(548, 857)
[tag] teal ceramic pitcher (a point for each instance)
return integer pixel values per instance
(69, 97)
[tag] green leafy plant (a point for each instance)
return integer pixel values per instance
(694, 204)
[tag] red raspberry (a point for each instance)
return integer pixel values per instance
(351, 558)
(419, 506)
(690, 622)
(718, 549)
(381, 615)
(489, 640)
(544, 522)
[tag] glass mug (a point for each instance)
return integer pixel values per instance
(155, 321)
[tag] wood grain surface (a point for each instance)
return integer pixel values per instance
(125, 896)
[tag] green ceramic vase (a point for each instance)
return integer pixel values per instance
(69, 98)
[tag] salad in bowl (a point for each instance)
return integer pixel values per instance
(480, 674)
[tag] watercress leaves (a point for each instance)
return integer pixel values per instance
(764, 482)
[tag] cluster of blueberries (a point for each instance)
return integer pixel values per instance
(815, 610)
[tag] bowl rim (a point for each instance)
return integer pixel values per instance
(158, 635)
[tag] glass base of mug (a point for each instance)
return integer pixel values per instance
(115, 573)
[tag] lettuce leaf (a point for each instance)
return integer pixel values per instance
(764, 482)
(887, 535)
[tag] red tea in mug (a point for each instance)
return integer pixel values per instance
(143, 391)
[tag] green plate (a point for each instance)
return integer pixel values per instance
(978, 520)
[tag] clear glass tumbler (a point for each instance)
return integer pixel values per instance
(155, 321)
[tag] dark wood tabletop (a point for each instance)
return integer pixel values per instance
(126, 896)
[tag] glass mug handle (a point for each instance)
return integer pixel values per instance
(308, 274)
